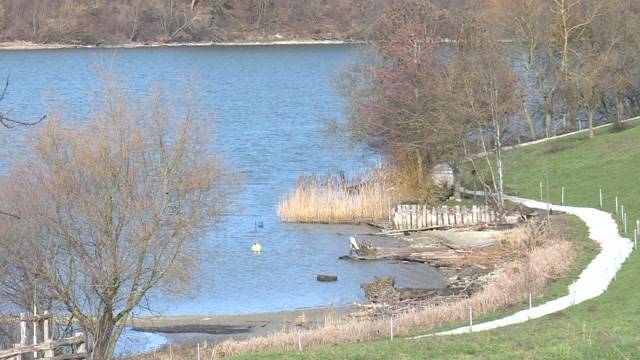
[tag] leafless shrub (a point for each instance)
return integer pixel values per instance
(111, 210)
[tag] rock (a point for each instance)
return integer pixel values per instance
(381, 290)
(326, 278)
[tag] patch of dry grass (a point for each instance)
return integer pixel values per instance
(334, 199)
(511, 285)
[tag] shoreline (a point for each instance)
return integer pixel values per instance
(27, 45)
(191, 329)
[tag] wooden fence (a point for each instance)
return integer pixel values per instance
(36, 341)
(422, 217)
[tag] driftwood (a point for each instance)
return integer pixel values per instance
(437, 227)
(441, 256)
(383, 290)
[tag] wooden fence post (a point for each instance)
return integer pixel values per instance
(82, 347)
(23, 329)
(46, 327)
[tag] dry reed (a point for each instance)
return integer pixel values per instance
(334, 199)
(511, 285)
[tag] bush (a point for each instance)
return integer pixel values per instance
(618, 126)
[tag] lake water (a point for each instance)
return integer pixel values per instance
(270, 104)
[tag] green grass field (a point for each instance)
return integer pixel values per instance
(607, 327)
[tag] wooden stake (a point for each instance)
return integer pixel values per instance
(562, 200)
(470, 319)
(600, 198)
(541, 198)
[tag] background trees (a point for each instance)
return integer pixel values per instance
(110, 211)
(445, 75)
(396, 103)
(119, 21)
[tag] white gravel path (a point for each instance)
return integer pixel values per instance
(593, 280)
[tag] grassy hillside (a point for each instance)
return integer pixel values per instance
(607, 327)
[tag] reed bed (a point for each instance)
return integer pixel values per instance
(334, 199)
(512, 284)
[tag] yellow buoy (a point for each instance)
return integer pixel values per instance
(256, 247)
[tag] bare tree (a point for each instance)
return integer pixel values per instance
(487, 94)
(527, 24)
(395, 97)
(590, 82)
(10, 122)
(176, 17)
(113, 210)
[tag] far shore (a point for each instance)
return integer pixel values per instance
(27, 45)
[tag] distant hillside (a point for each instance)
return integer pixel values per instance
(108, 22)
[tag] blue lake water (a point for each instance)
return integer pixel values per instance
(270, 103)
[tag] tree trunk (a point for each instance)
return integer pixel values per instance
(457, 183)
(419, 162)
(102, 346)
(500, 179)
(532, 129)
(619, 109)
(500, 185)
(592, 133)
(548, 108)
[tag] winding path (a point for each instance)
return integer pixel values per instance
(593, 280)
